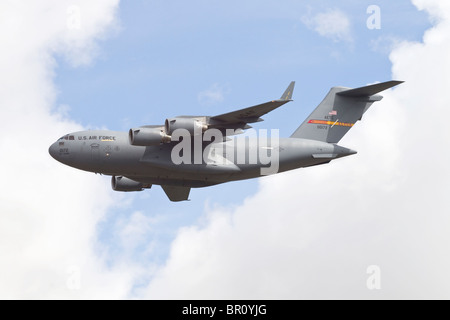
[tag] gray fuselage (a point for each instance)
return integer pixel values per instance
(110, 153)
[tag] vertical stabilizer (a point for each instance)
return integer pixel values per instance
(339, 111)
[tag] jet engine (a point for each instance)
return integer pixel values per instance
(125, 184)
(193, 125)
(148, 137)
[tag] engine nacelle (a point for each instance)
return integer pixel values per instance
(125, 184)
(194, 126)
(148, 137)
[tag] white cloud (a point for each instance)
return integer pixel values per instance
(312, 233)
(333, 24)
(48, 212)
(215, 94)
(132, 231)
(438, 10)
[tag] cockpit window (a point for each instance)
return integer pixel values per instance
(67, 137)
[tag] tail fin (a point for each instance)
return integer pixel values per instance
(339, 111)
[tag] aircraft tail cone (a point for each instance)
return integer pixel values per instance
(344, 152)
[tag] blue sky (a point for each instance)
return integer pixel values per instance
(165, 53)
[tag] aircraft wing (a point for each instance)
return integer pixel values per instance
(239, 119)
(177, 193)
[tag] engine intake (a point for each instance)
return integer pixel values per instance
(148, 137)
(194, 126)
(125, 184)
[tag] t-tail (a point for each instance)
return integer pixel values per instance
(339, 111)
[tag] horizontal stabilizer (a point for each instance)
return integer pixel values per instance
(369, 90)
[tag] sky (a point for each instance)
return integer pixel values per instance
(315, 233)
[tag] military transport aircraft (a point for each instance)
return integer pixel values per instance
(198, 151)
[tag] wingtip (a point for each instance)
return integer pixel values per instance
(287, 95)
(395, 83)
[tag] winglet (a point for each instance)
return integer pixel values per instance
(369, 90)
(287, 95)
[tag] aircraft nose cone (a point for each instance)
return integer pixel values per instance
(53, 150)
